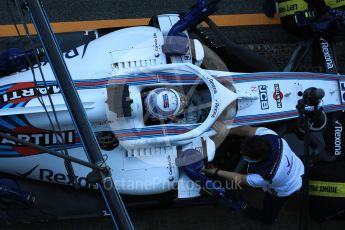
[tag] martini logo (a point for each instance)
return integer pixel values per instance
(263, 97)
(39, 137)
(278, 96)
(23, 92)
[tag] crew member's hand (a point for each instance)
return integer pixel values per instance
(210, 170)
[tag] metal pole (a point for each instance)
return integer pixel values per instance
(112, 197)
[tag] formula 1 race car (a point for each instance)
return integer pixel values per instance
(148, 98)
(151, 108)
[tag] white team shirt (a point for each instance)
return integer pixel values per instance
(288, 178)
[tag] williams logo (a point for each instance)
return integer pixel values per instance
(338, 128)
(263, 97)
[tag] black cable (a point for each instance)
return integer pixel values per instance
(58, 132)
(54, 153)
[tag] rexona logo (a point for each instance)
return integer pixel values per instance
(326, 53)
(338, 128)
(263, 97)
(58, 178)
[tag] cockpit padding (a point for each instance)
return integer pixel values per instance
(119, 101)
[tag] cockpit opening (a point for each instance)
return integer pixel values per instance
(189, 104)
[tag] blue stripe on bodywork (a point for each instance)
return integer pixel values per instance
(8, 105)
(6, 87)
(9, 154)
(6, 124)
(6, 147)
(18, 120)
(20, 104)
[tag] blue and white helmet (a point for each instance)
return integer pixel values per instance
(162, 103)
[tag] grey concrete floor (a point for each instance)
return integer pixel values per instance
(213, 216)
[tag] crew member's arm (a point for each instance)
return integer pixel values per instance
(238, 178)
(233, 176)
(245, 131)
(222, 131)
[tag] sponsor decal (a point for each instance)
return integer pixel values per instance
(74, 52)
(263, 97)
(58, 178)
(27, 132)
(170, 167)
(338, 128)
(28, 173)
(342, 88)
(278, 96)
(213, 86)
(216, 106)
(155, 38)
(37, 136)
(199, 149)
(61, 178)
(187, 57)
(165, 101)
(287, 8)
(254, 88)
(288, 161)
(35, 66)
(327, 53)
(327, 189)
(23, 92)
(289, 165)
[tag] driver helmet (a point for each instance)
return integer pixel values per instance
(163, 103)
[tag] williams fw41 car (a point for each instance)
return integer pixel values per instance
(148, 98)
